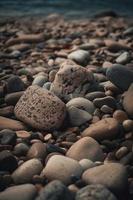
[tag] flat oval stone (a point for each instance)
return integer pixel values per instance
(8, 137)
(39, 80)
(82, 103)
(12, 98)
(123, 58)
(94, 192)
(92, 95)
(81, 57)
(40, 109)
(37, 150)
(25, 172)
(87, 148)
(107, 128)
(111, 175)
(21, 192)
(120, 76)
(55, 190)
(61, 168)
(109, 101)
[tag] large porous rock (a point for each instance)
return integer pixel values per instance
(111, 175)
(72, 81)
(81, 57)
(62, 168)
(87, 148)
(120, 76)
(25, 172)
(94, 192)
(55, 190)
(21, 192)
(107, 128)
(40, 109)
(128, 101)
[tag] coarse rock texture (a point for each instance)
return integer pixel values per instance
(40, 109)
(25, 172)
(55, 190)
(87, 148)
(21, 192)
(128, 101)
(94, 192)
(111, 175)
(120, 76)
(62, 168)
(70, 81)
(107, 128)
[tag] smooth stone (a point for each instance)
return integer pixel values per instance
(109, 101)
(23, 134)
(14, 84)
(12, 98)
(115, 46)
(128, 125)
(121, 152)
(81, 103)
(25, 172)
(8, 162)
(21, 192)
(7, 111)
(123, 58)
(19, 47)
(86, 164)
(120, 76)
(93, 95)
(127, 101)
(128, 31)
(52, 74)
(107, 128)
(81, 57)
(94, 192)
(62, 168)
(37, 150)
(78, 117)
(111, 175)
(21, 149)
(55, 190)
(15, 54)
(6, 123)
(40, 109)
(47, 85)
(8, 137)
(106, 109)
(120, 115)
(86, 148)
(70, 79)
(39, 80)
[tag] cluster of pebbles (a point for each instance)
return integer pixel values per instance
(66, 109)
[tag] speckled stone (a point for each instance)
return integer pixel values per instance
(70, 79)
(40, 109)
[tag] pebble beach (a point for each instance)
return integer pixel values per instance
(66, 108)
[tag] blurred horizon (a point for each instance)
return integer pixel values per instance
(68, 8)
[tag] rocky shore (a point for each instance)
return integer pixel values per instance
(66, 109)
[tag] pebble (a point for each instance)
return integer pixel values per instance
(8, 162)
(55, 190)
(86, 164)
(21, 149)
(39, 80)
(81, 103)
(21, 192)
(47, 85)
(128, 31)
(62, 168)
(14, 84)
(25, 172)
(23, 134)
(93, 95)
(122, 151)
(127, 101)
(116, 177)
(40, 109)
(106, 109)
(78, 117)
(86, 148)
(115, 46)
(7, 111)
(124, 58)
(12, 98)
(120, 76)
(37, 150)
(81, 57)
(109, 101)
(128, 125)
(8, 137)
(66, 85)
(6, 123)
(120, 115)
(94, 192)
(107, 128)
